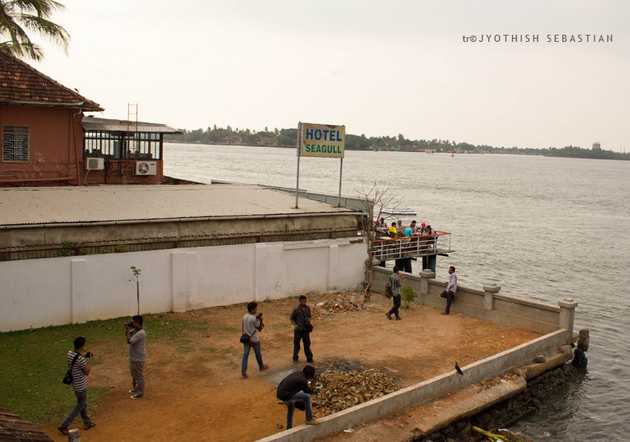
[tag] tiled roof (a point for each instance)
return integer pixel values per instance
(13, 428)
(23, 84)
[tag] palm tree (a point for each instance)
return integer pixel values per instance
(18, 17)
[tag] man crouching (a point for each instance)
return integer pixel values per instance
(295, 392)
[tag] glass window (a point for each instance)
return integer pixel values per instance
(15, 143)
(120, 145)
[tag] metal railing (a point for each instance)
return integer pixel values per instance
(396, 248)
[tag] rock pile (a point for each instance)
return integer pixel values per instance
(337, 388)
(340, 304)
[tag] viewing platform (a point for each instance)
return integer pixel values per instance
(384, 249)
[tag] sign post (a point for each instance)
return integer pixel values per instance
(297, 178)
(322, 141)
(340, 175)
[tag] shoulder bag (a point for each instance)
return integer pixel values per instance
(67, 379)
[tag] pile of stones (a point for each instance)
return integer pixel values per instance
(343, 303)
(343, 385)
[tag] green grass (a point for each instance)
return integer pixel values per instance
(33, 362)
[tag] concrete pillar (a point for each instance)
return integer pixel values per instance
(425, 275)
(182, 279)
(567, 315)
(333, 262)
(488, 296)
(78, 287)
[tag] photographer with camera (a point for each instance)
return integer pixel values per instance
(302, 328)
(136, 337)
(77, 376)
(251, 324)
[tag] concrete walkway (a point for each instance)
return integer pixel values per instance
(427, 418)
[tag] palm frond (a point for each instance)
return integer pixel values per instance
(19, 16)
(43, 8)
(45, 27)
(22, 49)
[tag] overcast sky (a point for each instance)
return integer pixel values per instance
(380, 68)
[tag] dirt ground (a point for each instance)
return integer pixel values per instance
(194, 387)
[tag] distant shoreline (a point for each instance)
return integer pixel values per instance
(543, 153)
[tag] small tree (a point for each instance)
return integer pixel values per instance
(135, 272)
(376, 198)
(408, 295)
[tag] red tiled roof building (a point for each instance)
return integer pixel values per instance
(45, 139)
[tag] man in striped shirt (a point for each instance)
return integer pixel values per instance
(80, 370)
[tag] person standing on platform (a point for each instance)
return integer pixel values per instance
(394, 288)
(408, 231)
(302, 328)
(414, 227)
(451, 289)
(392, 231)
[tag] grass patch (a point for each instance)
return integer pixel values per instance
(34, 361)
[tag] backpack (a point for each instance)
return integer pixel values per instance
(67, 379)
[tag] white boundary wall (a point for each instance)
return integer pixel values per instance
(56, 291)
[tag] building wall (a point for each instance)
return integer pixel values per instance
(122, 172)
(55, 145)
(56, 151)
(56, 291)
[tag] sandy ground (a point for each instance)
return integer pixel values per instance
(194, 388)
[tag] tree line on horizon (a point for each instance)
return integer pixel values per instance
(288, 138)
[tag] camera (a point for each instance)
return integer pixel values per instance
(89, 354)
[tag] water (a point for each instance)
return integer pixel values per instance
(547, 228)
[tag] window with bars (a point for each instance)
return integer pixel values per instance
(119, 145)
(14, 143)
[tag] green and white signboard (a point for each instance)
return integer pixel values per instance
(320, 141)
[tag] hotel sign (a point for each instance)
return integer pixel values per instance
(321, 140)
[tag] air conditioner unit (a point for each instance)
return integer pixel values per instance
(146, 168)
(95, 164)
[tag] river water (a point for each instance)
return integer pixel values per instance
(546, 228)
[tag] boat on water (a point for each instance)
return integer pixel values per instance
(399, 211)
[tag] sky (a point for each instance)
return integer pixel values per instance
(380, 68)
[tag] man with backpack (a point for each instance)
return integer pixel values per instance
(393, 290)
(251, 324)
(451, 290)
(77, 376)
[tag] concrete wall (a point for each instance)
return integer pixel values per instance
(426, 391)
(107, 237)
(121, 172)
(483, 304)
(55, 291)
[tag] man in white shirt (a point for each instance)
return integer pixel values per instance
(136, 337)
(451, 289)
(251, 324)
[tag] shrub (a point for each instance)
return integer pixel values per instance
(408, 295)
